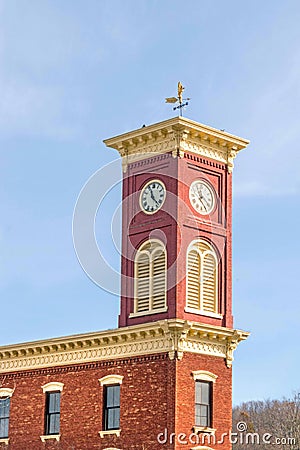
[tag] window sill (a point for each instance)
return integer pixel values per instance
(148, 313)
(203, 313)
(108, 432)
(4, 441)
(197, 429)
(50, 436)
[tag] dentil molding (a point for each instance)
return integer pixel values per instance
(174, 337)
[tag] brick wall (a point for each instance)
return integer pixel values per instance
(147, 405)
(157, 396)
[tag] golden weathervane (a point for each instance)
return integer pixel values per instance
(178, 99)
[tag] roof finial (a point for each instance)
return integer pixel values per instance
(179, 99)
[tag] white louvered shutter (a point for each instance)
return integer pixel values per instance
(209, 283)
(202, 278)
(159, 278)
(193, 280)
(143, 282)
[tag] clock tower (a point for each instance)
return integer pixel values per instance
(177, 234)
(176, 266)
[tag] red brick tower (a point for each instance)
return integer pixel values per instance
(177, 258)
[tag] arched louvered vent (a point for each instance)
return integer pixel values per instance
(202, 279)
(150, 277)
(193, 279)
(143, 282)
(159, 278)
(209, 282)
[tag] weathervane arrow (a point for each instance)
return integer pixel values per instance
(182, 102)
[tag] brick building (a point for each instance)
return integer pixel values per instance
(162, 379)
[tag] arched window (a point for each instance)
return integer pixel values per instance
(202, 278)
(150, 277)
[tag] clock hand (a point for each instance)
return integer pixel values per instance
(152, 196)
(203, 203)
(200, 198)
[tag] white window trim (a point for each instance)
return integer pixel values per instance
(204, 375)
(6, 392)
(48, 437)
(111, 379)
(4, 441)
(52, 387)
(203, 313)
(102, 434)
(149, 312)
(207, 430)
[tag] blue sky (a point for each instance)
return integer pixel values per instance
(73, 73)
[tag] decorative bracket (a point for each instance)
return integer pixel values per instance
(232, 344)
(185, 336)
(230, 157)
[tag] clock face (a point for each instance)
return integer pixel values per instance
(202, 197)
(152, 196)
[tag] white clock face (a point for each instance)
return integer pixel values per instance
(202, 197)
(152, 196)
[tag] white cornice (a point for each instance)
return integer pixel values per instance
(178, 135)
(168, 336)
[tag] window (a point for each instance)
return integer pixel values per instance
(4, 416)
(52, 416)
(53, 392)
(202, 278)
(111, 413)
(150, 278)
(204, 381)
(203, 404)
(111, 404)
(5, 395)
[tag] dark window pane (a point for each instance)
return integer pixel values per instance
(52, 413)
(198, 392)
(204, 422)
(4, 428)
(4, 416)
(113, 419)
(205, 393)
(109, 396)
(54, 424)
(54, 402)
(203, 403)
(4, 407)
(112, 396)
(112, 407)
(203, 410)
